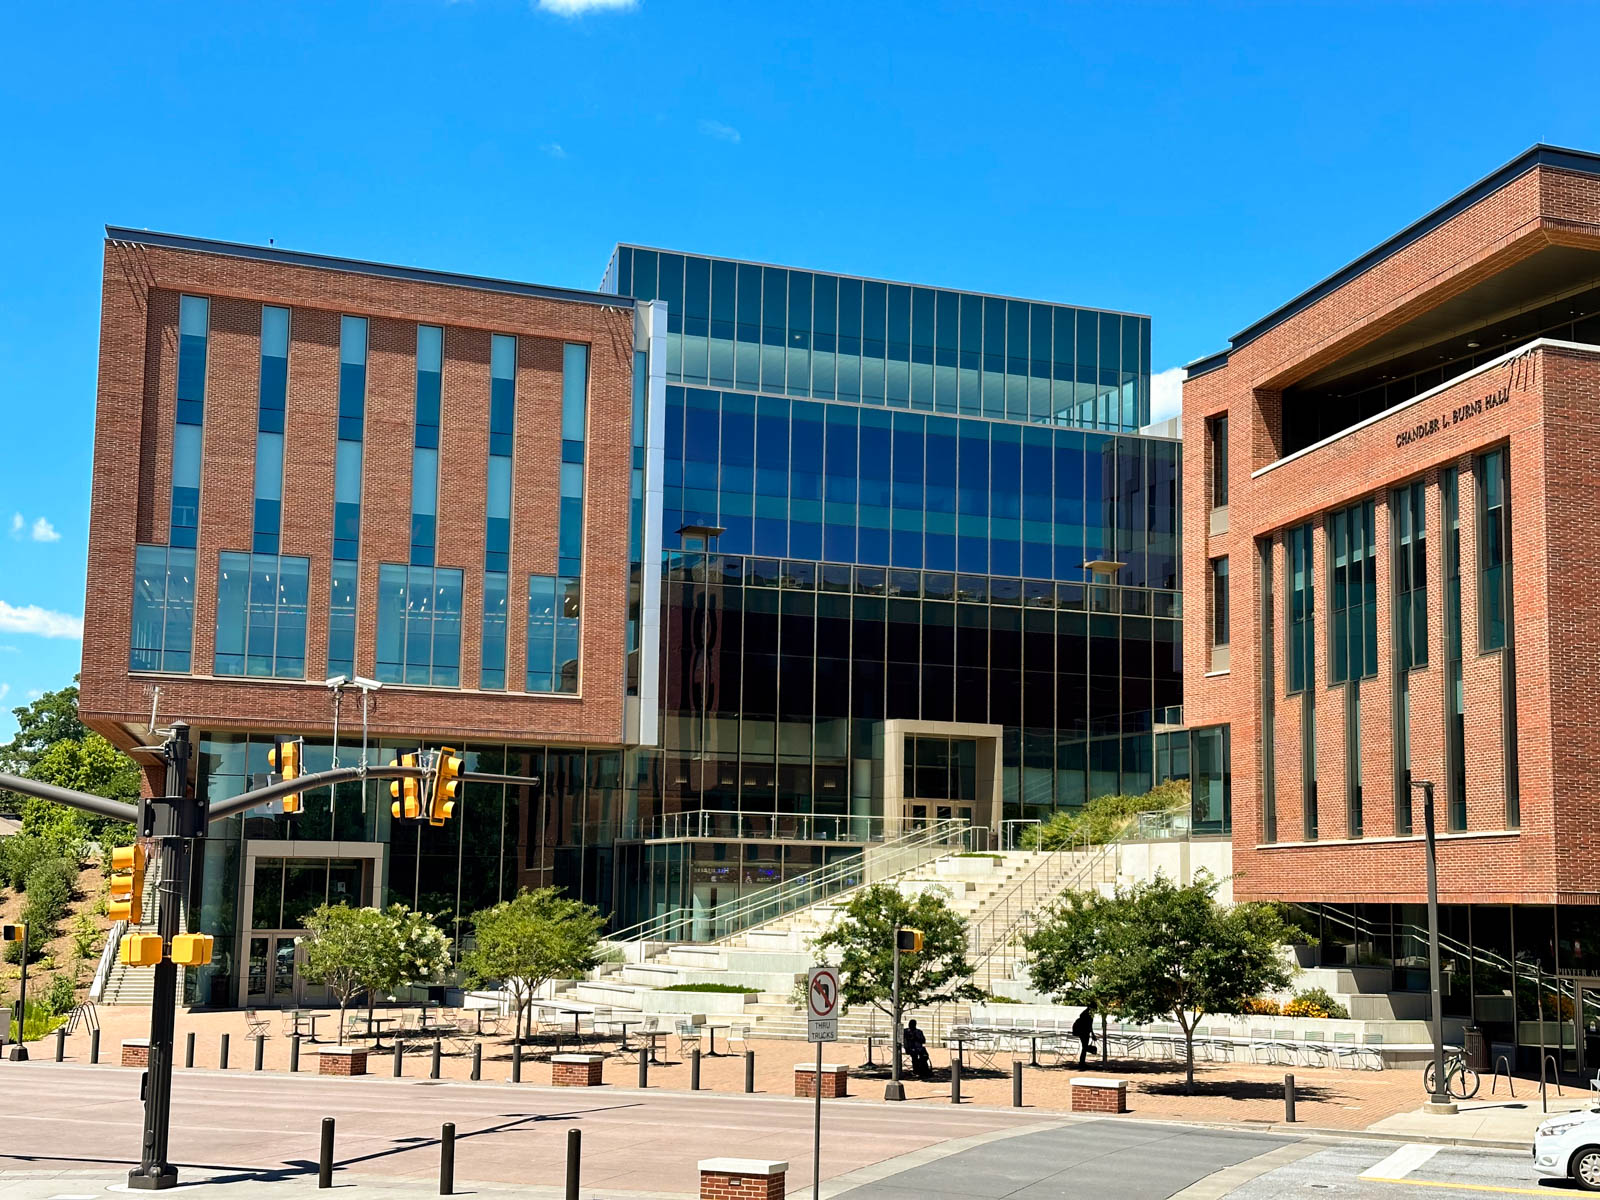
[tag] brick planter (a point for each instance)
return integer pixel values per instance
(835, 1080)
(1099, 1095)
(576, 1070)
(136, 1052)
(741, 1179)
(342, 1060)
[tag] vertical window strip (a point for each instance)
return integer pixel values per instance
(1217, 429)
(721, 335)
(1219, 601)
(1301, 600)
(425, 445)
(497, 533)
(574, 423)
(347, 494)
(1455, 692)
(554, 623)
(194, 335)
(1409, 506)
(1353, 630)
(1495, 608)
(272, 402)
(163, 609)
(1269, 695)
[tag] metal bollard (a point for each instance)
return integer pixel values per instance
(61, 1043)
(94, 1047)
(188, 1049)
(574, 1158)
(222, 1054)
(749, 1071)
(644, 1067)
(1288, 1099)
(325, 1159)
(399, 1059)
(955, 1080)
(694, 1069)
(433, 1070)
(516, 1062)
(477, 1061)
(294, 1052)
(1016, 1084)
(447, 1159)
(869, 1061)
(261, 1050)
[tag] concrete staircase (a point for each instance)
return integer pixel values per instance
(136, 985)
(988, 892)
(1365, 992)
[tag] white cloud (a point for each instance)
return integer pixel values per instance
(720, 131)
(30, 618)
(9, 650)
(576, 8)
(16, 526)
(554, 149)
(34, 693)
(5, 690)
(43, 531)
(1166, 394)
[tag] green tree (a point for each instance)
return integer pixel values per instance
(52, 745)
(864, 937)
(52, 718)
(356, 950)
(1160, 950)
(525, 942)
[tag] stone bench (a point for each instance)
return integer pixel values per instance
(742, 1179)
(576, 1070)
(1090, 1094)
(342, 1060)
(136, 1052)
(835, 1080)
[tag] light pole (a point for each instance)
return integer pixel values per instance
(894, 1090)
(1439, 1101)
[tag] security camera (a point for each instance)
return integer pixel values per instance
(365, 684)
(336, 681)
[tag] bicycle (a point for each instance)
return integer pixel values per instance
(1461, 1081)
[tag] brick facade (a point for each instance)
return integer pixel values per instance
(1546, 399)
(576, 1070)
(742, 1179)
(133, 471)
(342, 1060)
(136, 1053)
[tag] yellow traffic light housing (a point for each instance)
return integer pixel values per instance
(127, 884)
(407, 792)
(13, 933)
(446, 786)
(284, 758)
(191, 949)
(140, 949)
(908, 941)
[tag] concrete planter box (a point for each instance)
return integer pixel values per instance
(1090, 1094)
(342, 1060)
(835, 1080)
(725, 1004)
(981, 867)
(136, 1052)
(746, 1178)
(576, 1070)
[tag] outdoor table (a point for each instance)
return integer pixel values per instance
(653, 1036)
(625, 1025)
(711, 1035)
(377, 1038)
(311, 1019)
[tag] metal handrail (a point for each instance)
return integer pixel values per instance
(733, 916)
(108, 956)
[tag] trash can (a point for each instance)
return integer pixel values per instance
(1476, 1049)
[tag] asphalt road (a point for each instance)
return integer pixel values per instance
(69, 1131)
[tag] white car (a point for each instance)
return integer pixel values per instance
(1568, 1147)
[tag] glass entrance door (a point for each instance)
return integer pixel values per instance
(274, 978)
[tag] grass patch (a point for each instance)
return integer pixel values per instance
(720, 989)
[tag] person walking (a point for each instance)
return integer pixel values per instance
(1083, 1030)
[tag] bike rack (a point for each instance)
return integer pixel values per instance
(1555, 1073)
(1510, 1082)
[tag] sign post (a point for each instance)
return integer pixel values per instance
(822, 1025)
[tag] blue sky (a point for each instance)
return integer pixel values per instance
(1200, 163)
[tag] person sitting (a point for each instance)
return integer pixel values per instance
(916, 1048)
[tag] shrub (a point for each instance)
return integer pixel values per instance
(716, 988)
(61, 994)
(49, 888)
(1261, 1006)
(85, 933)
(19, 855)
(38, 1021)
(1315, 1002)
(1104, 818)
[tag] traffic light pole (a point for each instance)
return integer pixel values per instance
(154, 1172)
(19, 1052)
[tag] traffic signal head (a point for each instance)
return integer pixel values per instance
(446, 786)
(191, 949)
(407, 794)
(284, 759)
(140, 949)
(127, 884)
(909, 941)
(13, 933)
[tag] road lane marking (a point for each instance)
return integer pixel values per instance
(1222, 1182)
(1401, 1163)
(1464, 1187)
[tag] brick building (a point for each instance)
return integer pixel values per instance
(748, 567)
(1389, 560)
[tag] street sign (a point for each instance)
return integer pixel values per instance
(822, 1004)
